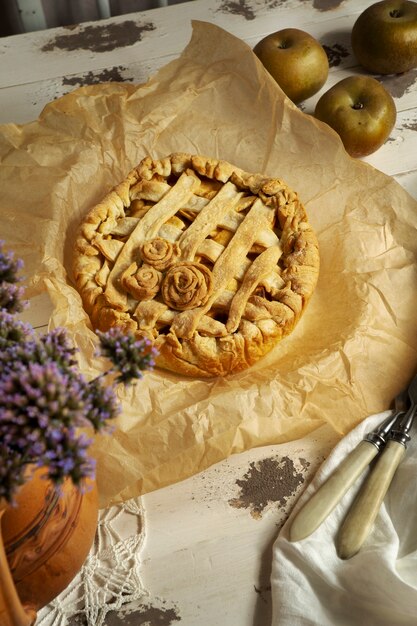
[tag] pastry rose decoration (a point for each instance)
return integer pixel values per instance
(142, 282)
(159, 253)
(187, 286)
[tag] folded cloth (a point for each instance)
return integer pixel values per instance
(311, 585)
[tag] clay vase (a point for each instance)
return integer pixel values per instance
(45, 538)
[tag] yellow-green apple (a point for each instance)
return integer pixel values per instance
(296, 60)
(361, 111)
(384, 37)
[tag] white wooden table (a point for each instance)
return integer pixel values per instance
(206, 557)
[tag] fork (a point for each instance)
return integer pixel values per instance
(361, 516)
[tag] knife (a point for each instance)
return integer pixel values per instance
(322, 503)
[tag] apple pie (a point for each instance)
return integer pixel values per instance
(213, 264)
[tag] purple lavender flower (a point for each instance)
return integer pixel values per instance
(9, 266)
(10, 294)
(12, 331)
(11, 298)
(100, 402)
(44, 399)
(56, 346)
(51, 347)
(41, 408)
(129, 356)
(69, 457)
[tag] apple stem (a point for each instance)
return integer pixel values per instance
(357, 106)
(395, 13)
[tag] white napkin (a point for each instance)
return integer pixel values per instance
(377, 586)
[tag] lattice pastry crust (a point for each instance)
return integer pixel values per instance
(213, 264)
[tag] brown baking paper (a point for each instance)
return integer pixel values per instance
(356, 345)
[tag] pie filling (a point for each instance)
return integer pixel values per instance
(213, 264)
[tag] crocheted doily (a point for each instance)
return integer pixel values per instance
(109, 578)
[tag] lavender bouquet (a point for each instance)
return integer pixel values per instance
(45, 402)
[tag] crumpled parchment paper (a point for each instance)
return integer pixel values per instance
(356, 345)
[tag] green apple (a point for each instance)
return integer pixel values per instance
(361, 111)
(384, 37)
(295, 60)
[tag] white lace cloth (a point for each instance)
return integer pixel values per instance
(109, 578)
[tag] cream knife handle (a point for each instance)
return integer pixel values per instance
(362, 514)
(315, 510)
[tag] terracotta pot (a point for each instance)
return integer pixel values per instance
(45, 540)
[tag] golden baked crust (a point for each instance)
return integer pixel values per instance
(214, 264)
